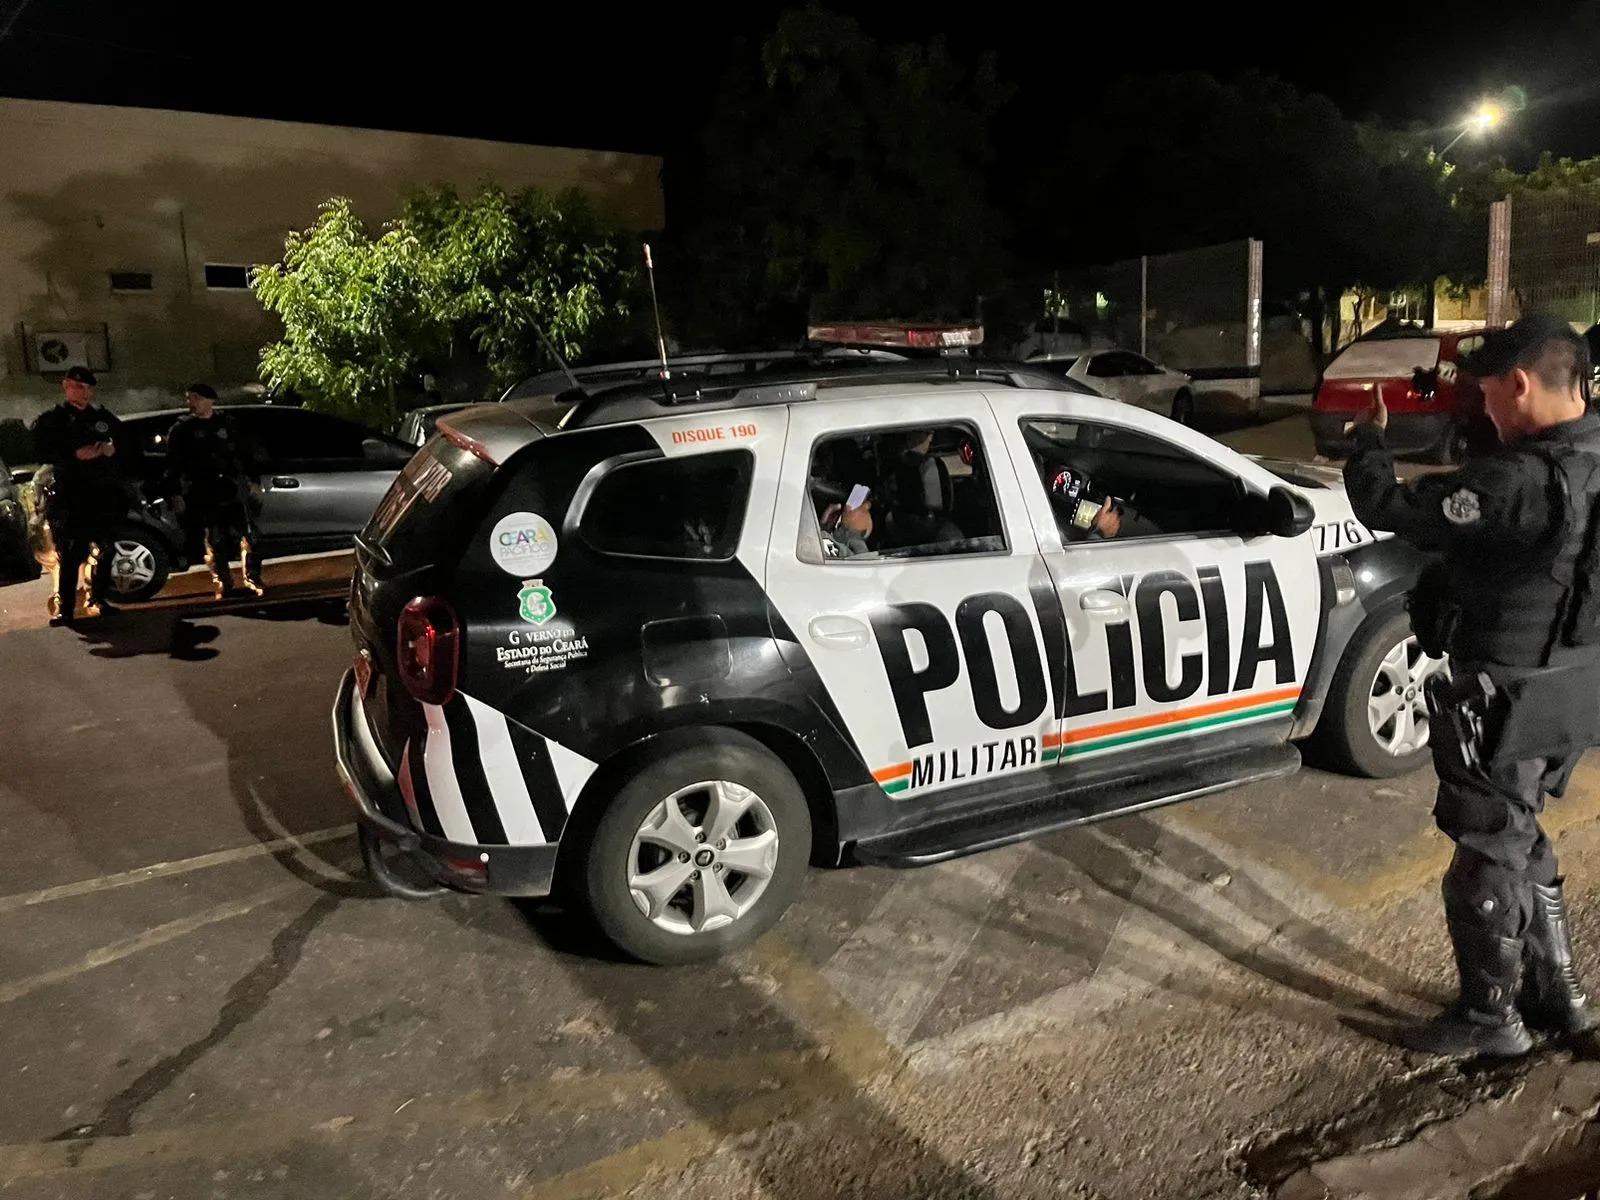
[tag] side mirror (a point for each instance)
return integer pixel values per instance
(1289, 514)
(1282, 512)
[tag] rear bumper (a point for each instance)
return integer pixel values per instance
(494, 870)
(1406, 434)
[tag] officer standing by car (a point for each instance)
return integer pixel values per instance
(78, 439)
(1514, 600)
(210, 481)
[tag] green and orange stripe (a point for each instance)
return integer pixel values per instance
(1132, 730)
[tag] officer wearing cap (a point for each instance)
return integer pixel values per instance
(79, 440)
(211, 481)
(1514, 600)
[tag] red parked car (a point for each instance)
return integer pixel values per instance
(1435, 408)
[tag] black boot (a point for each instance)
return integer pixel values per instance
(1484, 1019)
(1552, 1000)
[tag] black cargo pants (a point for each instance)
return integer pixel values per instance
(1491, 811)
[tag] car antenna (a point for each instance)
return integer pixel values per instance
(556, 354)
(655, 307)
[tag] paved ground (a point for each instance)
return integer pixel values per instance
(199, 999)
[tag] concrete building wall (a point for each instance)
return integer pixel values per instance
(88, 190)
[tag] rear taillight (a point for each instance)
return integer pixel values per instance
(428, 649)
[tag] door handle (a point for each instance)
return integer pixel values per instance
(839, 633)
(285, 482)
(1103, 605)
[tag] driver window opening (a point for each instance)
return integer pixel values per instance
(904, 492)
(1104, 482)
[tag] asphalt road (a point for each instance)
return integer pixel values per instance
(200, 997)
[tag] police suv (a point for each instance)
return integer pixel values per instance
(629, 659)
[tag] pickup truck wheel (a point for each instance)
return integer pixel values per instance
(699, 853)
(1376, 719)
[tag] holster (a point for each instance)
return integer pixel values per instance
(1463, 705)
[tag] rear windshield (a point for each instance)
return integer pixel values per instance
(437, 492)
(1386, 358)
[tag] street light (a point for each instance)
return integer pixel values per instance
(1488, 116)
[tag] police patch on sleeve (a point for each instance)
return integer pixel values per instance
(1461, 507)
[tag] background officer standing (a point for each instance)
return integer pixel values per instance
(1515, 602)
(210, 479)
(87, 494)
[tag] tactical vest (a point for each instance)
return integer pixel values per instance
(1541, 608)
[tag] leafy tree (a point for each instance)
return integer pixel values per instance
(840, 177)
(464, 282)
(352, 315)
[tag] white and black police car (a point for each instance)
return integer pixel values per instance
(625, 660)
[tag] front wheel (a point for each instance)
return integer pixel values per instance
(699, 853)
(1376, 719)
(135, 565)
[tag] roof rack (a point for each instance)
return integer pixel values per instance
(788, 382)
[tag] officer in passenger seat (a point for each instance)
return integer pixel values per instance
(917, 495)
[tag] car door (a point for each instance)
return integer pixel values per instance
(932, 654)
(323, 476)
(1184, 636)
(1111, 372)
(1154, 386)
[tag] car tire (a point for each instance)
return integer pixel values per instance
(134, 564)
(1183, 407)
(637, 837)
(1355, 738)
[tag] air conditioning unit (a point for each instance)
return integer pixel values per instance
(56, 350)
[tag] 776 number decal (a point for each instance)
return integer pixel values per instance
(1339, 535)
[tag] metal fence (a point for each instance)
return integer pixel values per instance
(1197, 310)
(1553, 255)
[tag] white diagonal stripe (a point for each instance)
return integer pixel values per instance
(440, 768)
(507, 786)
(572, 771)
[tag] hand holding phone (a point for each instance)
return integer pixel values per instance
(858, 496)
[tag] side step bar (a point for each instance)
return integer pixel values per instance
(1054, 805)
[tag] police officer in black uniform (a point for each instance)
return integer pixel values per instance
(212, 484)
(79, 440)
(1514, 599)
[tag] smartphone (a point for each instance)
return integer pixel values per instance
(858, 496)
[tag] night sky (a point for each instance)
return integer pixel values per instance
(579, 75)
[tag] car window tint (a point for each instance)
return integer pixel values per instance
(681, 508)
(929, 493)
(1159, 488)
(1107, 366)
(150, 433)
(294, 435)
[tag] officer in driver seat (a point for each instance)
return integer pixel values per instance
(1084, 510)
(1515, 602)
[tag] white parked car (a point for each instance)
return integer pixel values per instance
(1129, 377)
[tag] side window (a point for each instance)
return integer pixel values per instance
(1142, 366)
(678, 508)
(1466, 345)
(151, 436)
(297, 436)
(1107, 366)
(923, 492)
(1106, 481)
